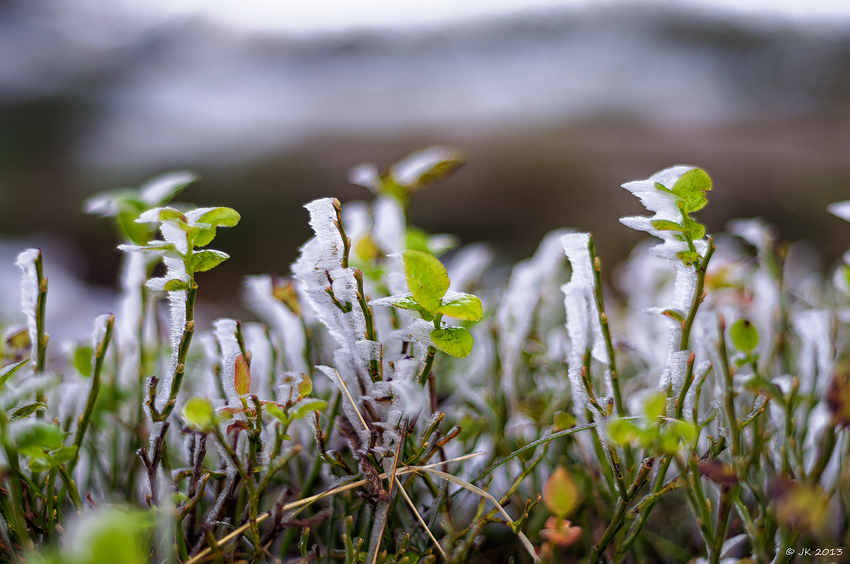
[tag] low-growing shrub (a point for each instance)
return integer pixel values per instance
(393, 407)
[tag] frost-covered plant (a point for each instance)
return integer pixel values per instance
(399, 404)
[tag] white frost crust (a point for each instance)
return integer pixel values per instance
(840, 209)
(388, 225)
(29, 295)
(130, 312)
(408, 171)
(225, 333)
(467, 265)
(284, 322)
(516, 314)
(817, 354)
(673, 376)
(157, 190)
(579, 298)
(754, 231)
(350, 409)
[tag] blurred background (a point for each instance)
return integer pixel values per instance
(555, 104)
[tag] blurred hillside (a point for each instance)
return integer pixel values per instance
(553, 109)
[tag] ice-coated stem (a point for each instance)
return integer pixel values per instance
(99, 355)
(698, 296)
(188, 331)
(729, 389)
(606, 330)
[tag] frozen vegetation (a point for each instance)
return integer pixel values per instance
(396, 403)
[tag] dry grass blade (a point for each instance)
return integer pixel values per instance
(419, 517)
(475, 489)
(308, 500)
(350, 399)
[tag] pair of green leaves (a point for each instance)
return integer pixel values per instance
(430, 297)
(199, 227)
(647, 433)
(689, 192)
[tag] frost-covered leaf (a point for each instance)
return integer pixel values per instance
(461, 306)
(560, 492)
(688, 257)
(427, 278)
(744, 335)
(665, 225)
(220, 217)
(9, 370)
(202, 261)
(404, 301)
(456, 341)
(175, 285)
(25, 411)
(426, 166)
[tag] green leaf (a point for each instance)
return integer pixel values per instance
(654, 406)
(41, 463)
(456, 341)
(138, 233)
(688, 257)
(416, 240)
(560, 492)
(64, 454)
(623, 431)
(9, 370)
(697, 230)
(563, 420)
(405, 302)
(203, 237)
(427, 278)
(221, 217)
(744, 335)
(175, 284)
(760, 385)
(683, 431)
(173, 215)
(307, 406)
(205, 260)
(661, 188)
(83, 359)
(41, 436)
(674, 315)
(27, 410)
(691, 188)
(665, 225)
(461, 306)
(199, 414)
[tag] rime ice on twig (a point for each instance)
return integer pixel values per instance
(583, 325)
(225, 333)
(29, 295)
(528, 281)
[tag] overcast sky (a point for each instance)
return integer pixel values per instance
(336, 15)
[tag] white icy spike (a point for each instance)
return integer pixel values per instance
(817, 355)
(580, 301)
(225, 333)
(283, 321)
(840, 209)
(528, 280)
(29, 295)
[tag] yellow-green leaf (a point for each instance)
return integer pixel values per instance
(427, 279)
(560, 492)
(242, 376)
(461, 306)
(456, 341)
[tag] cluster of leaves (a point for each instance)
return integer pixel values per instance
(539, 435)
